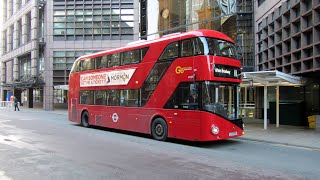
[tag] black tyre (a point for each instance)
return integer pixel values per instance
(159, 129)
(85, 119)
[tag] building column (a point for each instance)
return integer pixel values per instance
(265, 106)
(48, 79)
(16, 35)
(9, 8)
(9, 40)
(277, 105)
(15, 69)
(34, 39)
(24, 29)
(3, 14)
(3, 10)
(3, 78)
(3, 72)
(48, 98)
(2, 47)
(16, 5)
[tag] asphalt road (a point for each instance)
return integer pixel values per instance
(45, 145)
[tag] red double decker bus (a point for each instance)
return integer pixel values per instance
(183, 86)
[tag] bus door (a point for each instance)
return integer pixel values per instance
(73, 112)
(185, 115)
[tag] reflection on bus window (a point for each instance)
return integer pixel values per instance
(130, 57)
(185, 97)
(86, 97)
(219, 47)
(88, 64)
(100, 97)
(113, 98)
(129, 98)
(171, 51)
(186, 48)
(114, 60)
(220, 99)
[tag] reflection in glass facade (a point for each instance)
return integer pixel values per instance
(232, 17)
(92, 20)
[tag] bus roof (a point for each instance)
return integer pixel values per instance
(172, 37)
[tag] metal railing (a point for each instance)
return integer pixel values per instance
(6, 105)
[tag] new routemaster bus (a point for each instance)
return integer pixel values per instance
(183, 86)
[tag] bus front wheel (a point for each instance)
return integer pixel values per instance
(85, 119)
(159, 129)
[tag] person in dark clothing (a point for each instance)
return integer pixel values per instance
(16, 104)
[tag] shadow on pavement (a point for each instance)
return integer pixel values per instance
(208, 144)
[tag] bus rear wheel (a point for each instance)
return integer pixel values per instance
(85, 119)
(159, 129)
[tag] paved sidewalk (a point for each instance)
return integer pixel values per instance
(287, 135)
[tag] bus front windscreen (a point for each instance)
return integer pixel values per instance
(221, 99)
(219, 47)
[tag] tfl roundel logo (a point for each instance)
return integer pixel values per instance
(115, 117)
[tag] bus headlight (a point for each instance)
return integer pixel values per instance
(215, 130)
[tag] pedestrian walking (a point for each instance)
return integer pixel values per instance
(16, 103)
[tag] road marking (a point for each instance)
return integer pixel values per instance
(3, 176)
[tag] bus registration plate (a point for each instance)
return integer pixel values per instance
(233, 133)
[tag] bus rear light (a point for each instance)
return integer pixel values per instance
(215, 130)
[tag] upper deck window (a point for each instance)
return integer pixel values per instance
(130, 57)
(114, 60)
(194, 46)
(186, 48)
(171, 51)
(219, 47)
(87, 64)
(110, 60)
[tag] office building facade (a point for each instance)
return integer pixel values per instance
(41, 39)
(287, 39)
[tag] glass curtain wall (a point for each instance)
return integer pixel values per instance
(232, 17)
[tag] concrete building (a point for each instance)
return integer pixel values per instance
(287, 39)
(41, 39)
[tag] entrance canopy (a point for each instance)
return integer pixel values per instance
(270, 78)
(62, 87)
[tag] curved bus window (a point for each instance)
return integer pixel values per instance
(194, 46)
(87, 64)
(200, 46)
(76, 66)
(171, 51)
(220, 99)
(219, 47)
